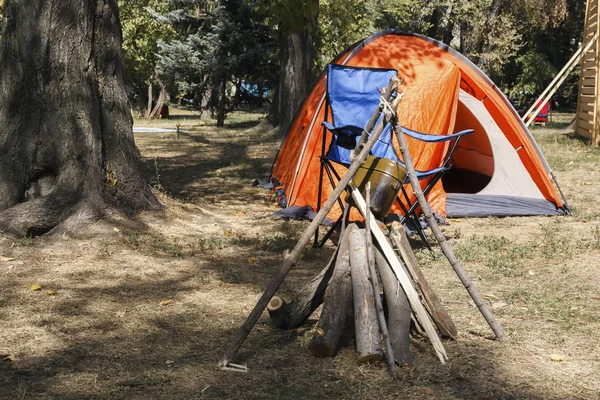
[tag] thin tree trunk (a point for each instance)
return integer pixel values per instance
(150, 97)
(160, 102)
(221, 106)
(295, 58)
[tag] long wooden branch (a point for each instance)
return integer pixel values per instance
(383, 327)
(402, 276)
(444, 245)
(278, 279)
(432, 302)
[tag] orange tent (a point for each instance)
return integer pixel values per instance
(499, 170)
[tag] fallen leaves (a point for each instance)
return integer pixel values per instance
(557, 357)
(34, 287)
(498, 305)
(6, 259)
(166, 302)
(8, 357)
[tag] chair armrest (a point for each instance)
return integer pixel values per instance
(435, 138)
(328, 126)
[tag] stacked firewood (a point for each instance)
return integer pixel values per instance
(355, 268)
(350, 291)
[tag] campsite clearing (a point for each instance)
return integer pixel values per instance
(145, 308)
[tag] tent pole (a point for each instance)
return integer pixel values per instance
(446, 249)
(360, 154)
(566, 207)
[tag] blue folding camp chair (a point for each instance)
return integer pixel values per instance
(353, 96)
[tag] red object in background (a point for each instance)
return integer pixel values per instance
(543, 115)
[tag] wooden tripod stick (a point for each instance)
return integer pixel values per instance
(445, 246)
(389, 351)
(278, 279)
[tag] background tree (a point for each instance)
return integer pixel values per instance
(296, 23)
(67, 153)
(141, 33)
(221, 44)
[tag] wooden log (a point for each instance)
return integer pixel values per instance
(432, 302)
(403, 277)
(437, 232)
(277, 280)
(398, 311)
(367, 333)
(383, 327)
(338, 299)
(292, 314)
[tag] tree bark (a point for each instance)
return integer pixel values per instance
(160, 102)
(295, 62)
(67, 153)
(398, 311)
(368, 336)
(221, 105)
(338, 299)
(306, 300)
(150, 97)
(432, 302)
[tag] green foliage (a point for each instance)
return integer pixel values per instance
(536, 71)
(199, 44)
(341, 23)
(141, 33)
(218, 42)
(289, 15)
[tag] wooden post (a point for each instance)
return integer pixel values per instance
(587, 122)
(368, 335)
(277, 280)
(338, 298)
(446, 249)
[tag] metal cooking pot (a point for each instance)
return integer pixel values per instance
(386, 177)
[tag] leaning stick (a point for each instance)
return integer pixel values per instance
(445, 246)
(432, 302)
(278, 279)
(401, 275)
(389, 352)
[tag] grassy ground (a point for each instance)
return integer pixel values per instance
(145, 308)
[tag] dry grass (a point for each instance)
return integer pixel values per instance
(207, 257)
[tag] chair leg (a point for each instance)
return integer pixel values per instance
(328, 170)
(329, 232)
(410, 218)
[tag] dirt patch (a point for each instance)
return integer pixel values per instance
(145, 308)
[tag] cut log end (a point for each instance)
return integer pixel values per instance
(369, 358)
(275, 304)
(322, 349)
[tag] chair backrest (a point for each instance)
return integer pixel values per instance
(353, 93)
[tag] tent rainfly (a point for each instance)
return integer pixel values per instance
(497, 171)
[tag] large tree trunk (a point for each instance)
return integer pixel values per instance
(295, 61)
(67, 152)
